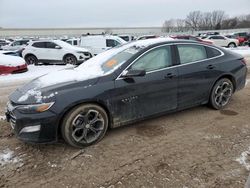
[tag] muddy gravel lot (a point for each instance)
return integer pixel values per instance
(199, 147)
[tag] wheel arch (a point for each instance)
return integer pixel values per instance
(232, 43)
(29, 54)
(67, 54)
(228, 76)
(74, 105)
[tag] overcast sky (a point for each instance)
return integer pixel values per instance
(107, 13)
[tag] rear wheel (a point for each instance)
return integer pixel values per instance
(221, 93)
(231, 45)
(31, 59)
(84, 125)
(70, 59)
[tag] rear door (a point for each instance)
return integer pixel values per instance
(156, 92)
(39, 50)
(197, 72)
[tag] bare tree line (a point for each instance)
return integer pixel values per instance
(197, 20)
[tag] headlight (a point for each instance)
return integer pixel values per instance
(34, 108)
(85, 53)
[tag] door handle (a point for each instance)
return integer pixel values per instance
(170, 75)
(210, 67)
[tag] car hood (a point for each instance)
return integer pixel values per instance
(45, 88)
(11, 61)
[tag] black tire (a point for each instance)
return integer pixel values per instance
(231, 45)
(221, 94)
(31, 59)
(70, 59)
(84, 125)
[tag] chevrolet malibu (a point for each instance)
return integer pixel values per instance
(123, 85)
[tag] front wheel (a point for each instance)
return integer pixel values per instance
(231, 45)
(70, 59)
(221, 93)
(84, 125)
(31, 59)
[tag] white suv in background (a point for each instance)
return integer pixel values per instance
(223, 41)
(54, 51)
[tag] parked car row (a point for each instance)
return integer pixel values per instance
(77, 50)
(242, 37)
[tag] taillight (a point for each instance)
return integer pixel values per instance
(244, 61)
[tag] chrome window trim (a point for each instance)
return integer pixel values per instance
(222, 54)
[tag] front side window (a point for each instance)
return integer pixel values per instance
(111, 43)
(156, 59)
(217, 37)
(190, 53)
(50, 45)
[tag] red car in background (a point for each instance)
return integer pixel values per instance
(189, 37)
(243, 37)
(12, 64)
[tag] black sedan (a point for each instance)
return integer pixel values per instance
(129, 83)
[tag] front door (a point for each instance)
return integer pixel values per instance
(156, 92)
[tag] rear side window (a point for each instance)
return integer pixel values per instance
(190, 53)
(75, 42)
(111, 43)
(212, 52)
(156, 59)
(39, 44)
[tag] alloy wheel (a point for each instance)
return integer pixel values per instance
(87, 126)
(223, 93)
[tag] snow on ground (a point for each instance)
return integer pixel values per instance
(2, 118)
(7, 156)
(243, 50)
(244, 159)
(33, 72)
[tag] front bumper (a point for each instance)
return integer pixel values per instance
(34, 128)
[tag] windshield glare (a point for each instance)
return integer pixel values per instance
(118, 59)
(108, 61)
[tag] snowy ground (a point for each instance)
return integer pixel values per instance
(243, 50)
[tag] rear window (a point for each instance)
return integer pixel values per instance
(190, 53)
(39, 44)
(212, 52)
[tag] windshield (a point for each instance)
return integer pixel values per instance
(110, 60)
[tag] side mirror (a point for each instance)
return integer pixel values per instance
(133, 73)
(58, 47)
